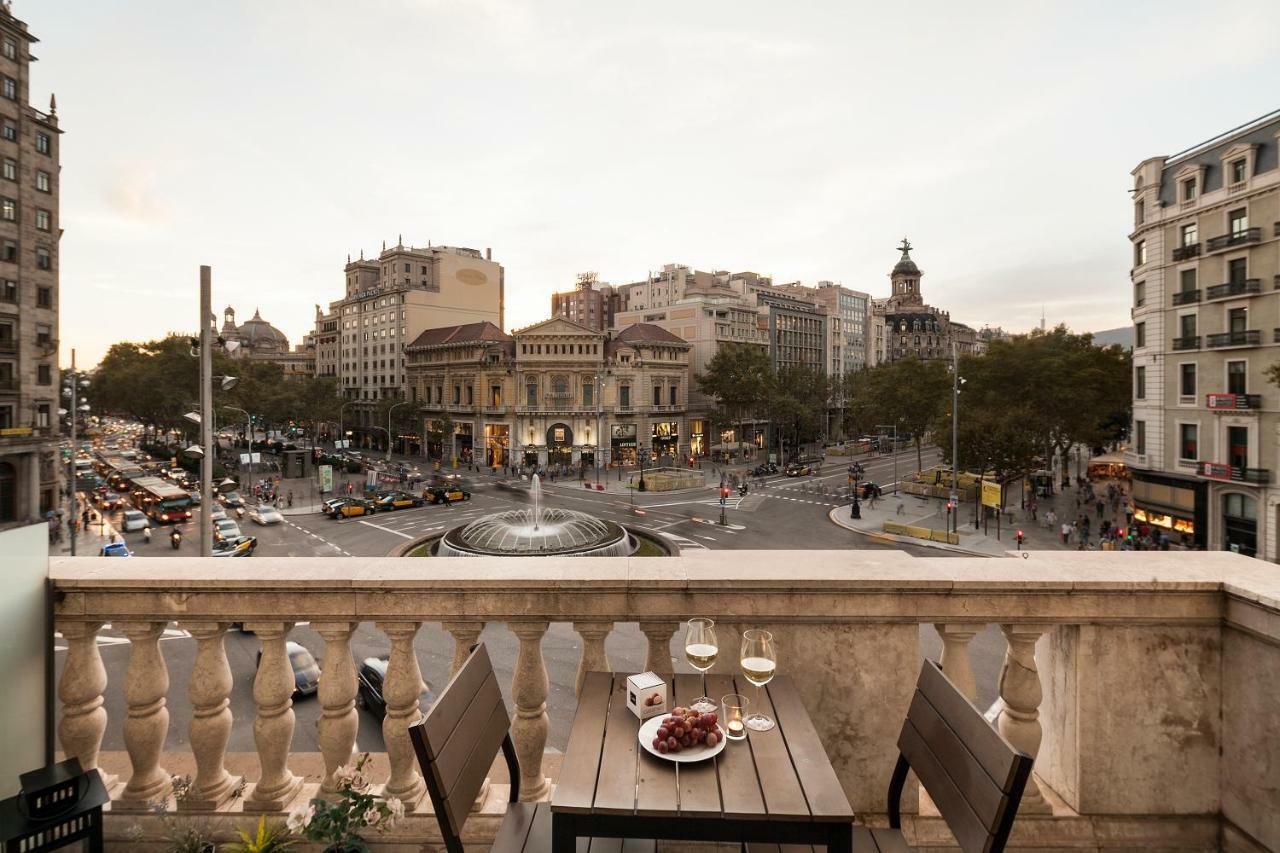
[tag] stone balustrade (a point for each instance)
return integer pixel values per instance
(1144, 683)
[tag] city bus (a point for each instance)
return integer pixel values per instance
(119, 472)
(161, 500)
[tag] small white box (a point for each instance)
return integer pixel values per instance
(646, 695)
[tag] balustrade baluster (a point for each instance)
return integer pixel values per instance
(594, 658)
(273, 688)
(401, 690)
(146, 682)
(529, 691)
(1020, 690)
(84, 678)
(657, 658)
(339, 722)
(209, 691)
(465, 635)
(955, 656)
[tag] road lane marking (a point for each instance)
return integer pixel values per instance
(388, 529)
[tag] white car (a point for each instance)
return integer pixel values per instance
(226, 529)
(217, 513)
(134, 520)
(266, 514)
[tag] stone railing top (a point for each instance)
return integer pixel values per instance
(782, 585)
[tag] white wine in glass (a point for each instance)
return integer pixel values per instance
(759, 661)
(700, 649)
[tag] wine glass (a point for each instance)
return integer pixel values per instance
(759, 659)
(700, 649)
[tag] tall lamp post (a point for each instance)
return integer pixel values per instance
(956, 382)
(599, 379)
(893, 427)
(389, 411)
(74, 383)
(206, 411)
(342, 427)
(856, 472)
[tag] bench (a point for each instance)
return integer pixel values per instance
(457, 741)
(974, 776)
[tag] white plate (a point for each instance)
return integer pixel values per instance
(701, 752)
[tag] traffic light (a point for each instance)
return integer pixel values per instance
(724, 491)
(1021, 536)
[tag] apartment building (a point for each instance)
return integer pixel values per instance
(1206, 326)
(590, 303)
(912, 327)
(848, 332)
(30, 229)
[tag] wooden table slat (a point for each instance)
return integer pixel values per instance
(655, 778)
(735, 767)
(698, 785)
(577, 786)
(821, 786)
(783, 795)
(616, 785)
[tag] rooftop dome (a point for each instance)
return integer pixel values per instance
(257, 332)
(905, 265)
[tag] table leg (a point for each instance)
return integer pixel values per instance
(840, 838)
(564, 834)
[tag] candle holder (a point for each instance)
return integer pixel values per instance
(733, 717)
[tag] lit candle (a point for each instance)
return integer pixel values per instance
(735, 728)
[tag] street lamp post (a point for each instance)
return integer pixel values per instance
(206, 409)
(856, 471)
(955, 433)
(342, 429)
(389, 411)
(248, 426)
(75, 382)
(894, 427)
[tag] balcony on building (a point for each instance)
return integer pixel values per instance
(1182, 253)
(1235, 474)
(1237, 238)
(1186, 297)
(1233, 402)
(1245, 338)
(1244, 287)
(495, 409)
(1186, 343)
(1142, 682)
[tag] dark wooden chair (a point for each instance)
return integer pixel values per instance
(456, 743)
(972, 773)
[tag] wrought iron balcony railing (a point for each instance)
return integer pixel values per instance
(1234, 288)
(1182, 253)
(1186, 343)
(1185, 297)
(1247, 338)
(1236, 238)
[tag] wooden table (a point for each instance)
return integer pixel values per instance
(775, 787)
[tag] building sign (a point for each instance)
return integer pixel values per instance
(1215, 470)
(990, 494)
(624, 435)
(326, 478)
(559, 435)
(16, 431)
(666, 429)
(1228, 401)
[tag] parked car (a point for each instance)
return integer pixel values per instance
(236, 546)
(397, 500)
(133, 520)
(798, 469)
(217, 513)
(115, 549)
(226, 529)
(306, 670)
(446, 494)
(110, 500)
(354, 508)
(266, 514)
(232, 499)
(330, 506)
(369, 679)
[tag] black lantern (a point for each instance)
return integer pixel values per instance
(57, 806)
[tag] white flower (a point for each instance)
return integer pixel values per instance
(395, 807)
(343, 774)
(358, 782)
(372, 816)
(300, 818)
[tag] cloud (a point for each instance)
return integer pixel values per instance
(132, 196)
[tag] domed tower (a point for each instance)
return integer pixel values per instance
(905, 279)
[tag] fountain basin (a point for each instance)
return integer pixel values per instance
(543, 533)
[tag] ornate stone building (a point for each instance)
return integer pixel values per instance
(910, 326)
(555, 393)
(260, 341)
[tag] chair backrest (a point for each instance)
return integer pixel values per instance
(974, 776)
(457, 741)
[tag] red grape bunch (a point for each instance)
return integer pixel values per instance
(686, 728)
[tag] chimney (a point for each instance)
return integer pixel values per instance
(488, 254)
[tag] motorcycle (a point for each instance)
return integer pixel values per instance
(176, 539)
(742, 490)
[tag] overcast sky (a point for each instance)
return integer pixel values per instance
(270, 138)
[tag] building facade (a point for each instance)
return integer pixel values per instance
(589, 304)
(1205, 273)
(912, 328)
(555, 394)
(30, 477)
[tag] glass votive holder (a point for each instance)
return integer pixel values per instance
(733, 717)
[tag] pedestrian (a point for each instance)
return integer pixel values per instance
(1100, 506)
(289, 500)
(1066, 532)
(901, 507)
(1034, 507)
(146, 533)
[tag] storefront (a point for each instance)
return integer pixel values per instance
(530, 455)
(435, 440)
(665, 441)
(462, 442)
(587, 456)
(1240, 524)
(1172, 504)
(497, 444)
(559, 444)
(622, 444)
(698, 438)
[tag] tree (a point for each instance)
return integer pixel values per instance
(910, 393)
(740, 377)
(797, 405)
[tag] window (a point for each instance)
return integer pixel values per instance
(9, 88)
(42, 220)
(1139, 334)
(1187, 435)
(1139, 294)
(43, 259)
(1238, 320)
(1139, 253)
(657, 395)
(531, 394)
(44, 335)
(588, 394)
(10, 49)
(1238, 444)
(673, 393)
(8, 210)
(624, 396)
(495, 395)
(44, 297)
(10, 169)
(1187, 380)
(1237, 270)
(42, 181)
(1187, 326)
(1187, 280)
(9, 130)
(1237, 169)
(44, 374)
(1237, 379)
(1140, 437)
(457, 394)
(8, 291)
(1239, 222)
(1189, 234)
(42, 143)
(1189, 189)
(1139, 211)
(1139, 383)
(471, 395)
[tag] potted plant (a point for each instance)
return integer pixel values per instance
(266, 840)
(337, 825)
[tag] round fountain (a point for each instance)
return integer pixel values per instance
(537, 532)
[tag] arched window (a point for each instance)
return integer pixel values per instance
(8, 492)
(560, 387)
(531, 392)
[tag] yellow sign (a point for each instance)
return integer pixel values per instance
(16, 431)
(990, 494)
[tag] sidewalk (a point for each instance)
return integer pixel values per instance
(89, 541)
(931, 513)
